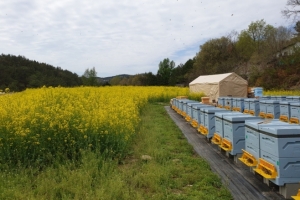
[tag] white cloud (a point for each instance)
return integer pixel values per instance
(119, 37)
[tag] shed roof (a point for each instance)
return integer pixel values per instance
(216, 78)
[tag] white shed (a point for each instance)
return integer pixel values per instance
(220, 85)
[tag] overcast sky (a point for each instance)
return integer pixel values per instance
(122, 36)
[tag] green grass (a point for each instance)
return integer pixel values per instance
(173, 172)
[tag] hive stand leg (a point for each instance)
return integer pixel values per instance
(288, 190)
(208, 140)
(252, 170)
(266, 181)
(236, 157)
(227, 154)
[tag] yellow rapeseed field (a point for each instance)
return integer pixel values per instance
(46, 125)
(282, 92)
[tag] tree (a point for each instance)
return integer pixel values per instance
(215, 56)
(115, 80)
(291, 9)
(165, 71)
(180, 73)
(145, 79)
(261, 41)
(258, 32)
(276, 39)
(297, 28)
(89, 77)
(245, 46)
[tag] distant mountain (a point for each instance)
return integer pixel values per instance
(107, 79)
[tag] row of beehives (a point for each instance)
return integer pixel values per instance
(267, 139)
(270, 107)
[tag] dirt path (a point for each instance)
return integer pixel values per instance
(243, 184)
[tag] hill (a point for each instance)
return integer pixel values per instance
(107, 79)
(19, 73)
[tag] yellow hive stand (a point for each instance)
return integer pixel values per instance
(297, 197)
(248, 159)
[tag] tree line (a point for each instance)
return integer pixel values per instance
(18, 73)
(254, 53)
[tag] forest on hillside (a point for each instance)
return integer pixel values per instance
(19, 73)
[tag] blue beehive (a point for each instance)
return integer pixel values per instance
(262, 108)
(295, 113)
(209, 121)
(258, 92)
(202, 117)
(265, 98)
(285, 110)
(228, 103)
(273, 109)
(196, 114)
(281, 98)
(254, 107)
(189, 113)
(181, 104)
(280, 154)
(278, 170)
(219, 126)
(251, 153)
(289, 98)
(240, 105)
(233, 104)
(174, 100)
(234, 133)
(296, 98)
(177, 104)
(281, 141)
(221, 102)
(185, 107)
(247, 105)
(273, 97)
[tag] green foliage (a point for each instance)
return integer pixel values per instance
(115, 81)
(165, 71)
(283, 74)
(179, 75)
(196, 96)
(245, 46)
(89, 78)
(215, 56)
(19, 73)
(252, 54)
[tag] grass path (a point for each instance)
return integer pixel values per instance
(175, 170)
